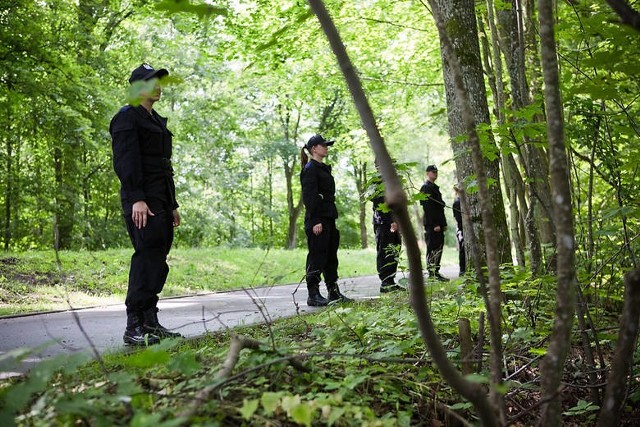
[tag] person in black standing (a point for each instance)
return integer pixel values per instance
(323, 238)
(388, 240)
(142, 147)
(435, 223)
(457, 214)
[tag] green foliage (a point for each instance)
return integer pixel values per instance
(364, 364)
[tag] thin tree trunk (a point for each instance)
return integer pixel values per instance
(513, 181)
(617, 382)
(553, 363)
(396, 198)
(360, 175)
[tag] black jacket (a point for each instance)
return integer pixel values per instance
(433, 206)
(457, 213)
(380, 217)
(318, 193)
(142, 147)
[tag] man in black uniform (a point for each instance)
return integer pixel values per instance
(435, 223)
(388, 241)
(142, 148)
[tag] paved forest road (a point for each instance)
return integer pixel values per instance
(55, 333)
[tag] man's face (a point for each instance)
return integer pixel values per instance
(153, 95)
(432, 175)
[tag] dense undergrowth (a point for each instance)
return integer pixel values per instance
(357, 364)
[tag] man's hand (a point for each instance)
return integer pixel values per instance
(176, 218)
(394, 227)
(139, 214)
(317, 229)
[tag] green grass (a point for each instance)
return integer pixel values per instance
(31, 281)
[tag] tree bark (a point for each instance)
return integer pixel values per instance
(553, 362)
(623, 357)
(467, 106)
(397, 200)
(460, 18)
(360, 174)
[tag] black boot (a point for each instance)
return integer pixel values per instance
(390, 287)
(135, 334)
(152, 326)
(315, 298)
(335, 294)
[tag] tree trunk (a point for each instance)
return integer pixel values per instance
(513, 180)
(460, 17)
(397, 200)
(467, 107)
(553, 362)
(617, 382)
(360, 175)
(540, 226)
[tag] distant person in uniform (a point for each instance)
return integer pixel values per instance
(323, 238)
(457, 214)
(435, 223)
(142, 148)
(388, 240)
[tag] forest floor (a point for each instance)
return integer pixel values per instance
(357, 364)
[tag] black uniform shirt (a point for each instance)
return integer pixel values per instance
(318, 193)
(433, 206)
(457, 213)
(141, 146)
(380, 217)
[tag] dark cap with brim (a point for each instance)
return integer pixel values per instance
(147, 72)
(432, 168)
(317, 140)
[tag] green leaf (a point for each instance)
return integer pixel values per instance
(249, 408)
(461, 405)
(538, 351)
(149, 357)
(185, 363)
(201, 10)
(302, 414)
(270, 402)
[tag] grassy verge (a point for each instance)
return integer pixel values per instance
(31, 281)
(349, 365)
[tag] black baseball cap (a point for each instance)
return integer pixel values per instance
(432, 168)
(317, 139)
(147, 72)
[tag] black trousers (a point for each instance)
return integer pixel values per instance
(387, 253)
(435, 244)
(462, 257)
(149, 269)
(322, 257)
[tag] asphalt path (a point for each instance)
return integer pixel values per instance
(49, 334)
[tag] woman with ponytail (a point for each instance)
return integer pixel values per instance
(323, 238)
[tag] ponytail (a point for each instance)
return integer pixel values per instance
(304, 159)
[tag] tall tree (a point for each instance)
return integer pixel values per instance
(553, 363)
(460, 17)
